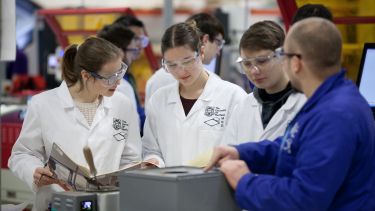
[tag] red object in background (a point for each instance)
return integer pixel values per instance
(27, 85)
(9, 135)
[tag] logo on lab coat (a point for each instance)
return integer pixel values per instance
(289, 137)
(217, 116)
(121, 129)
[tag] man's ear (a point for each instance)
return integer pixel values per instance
(205, 39)
(201, 52)
(296, 65)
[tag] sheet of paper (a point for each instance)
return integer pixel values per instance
(201, 160)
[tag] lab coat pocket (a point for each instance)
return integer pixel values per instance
(208, 139)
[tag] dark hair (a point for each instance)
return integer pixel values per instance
(207, 24)
(262, 35)
(117, 34)
(91, 55)
(181, 34)
(129, 20)
(312, 10)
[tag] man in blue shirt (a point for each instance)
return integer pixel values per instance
(326, 158)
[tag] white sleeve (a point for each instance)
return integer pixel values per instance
(133, 146)
(148, 91)
(28, 152)
(150, 146)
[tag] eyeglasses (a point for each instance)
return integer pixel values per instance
(135, 51)
(111, 80)
(185, 63)
(219, 42)
(142, 40)
(254, 62)
(279, 52)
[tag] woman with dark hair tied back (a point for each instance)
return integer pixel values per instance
(188, 117)
(83, 111)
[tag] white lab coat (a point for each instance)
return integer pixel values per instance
(127, 89)
(52, 117)
(159, 79)
(246, 123)
(174, 138)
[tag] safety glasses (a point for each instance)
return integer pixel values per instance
(187, 63)
(112, 79)
(142, 40)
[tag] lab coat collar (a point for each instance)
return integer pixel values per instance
(67, 100)
(288, 105)
(206, 95)
(64, 95)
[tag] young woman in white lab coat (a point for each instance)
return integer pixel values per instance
(83, 111)
(188, 117)
(266, 112)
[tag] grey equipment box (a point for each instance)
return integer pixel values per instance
(74, 201)
(175, 189)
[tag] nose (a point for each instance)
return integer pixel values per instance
(254, 69)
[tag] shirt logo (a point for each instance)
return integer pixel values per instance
(217, 116)
(289, 137)
(121, 129)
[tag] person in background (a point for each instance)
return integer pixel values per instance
(83, 111)
(326, 158)
(273, 102)
(186, 118)
(213, 41)
(142, 41)
(124, 39)
(312, 10)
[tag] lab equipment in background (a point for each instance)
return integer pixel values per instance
(175, 189)
(74, 201)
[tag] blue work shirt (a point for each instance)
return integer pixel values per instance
(324, 161)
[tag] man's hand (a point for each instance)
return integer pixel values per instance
(43, 176)
(233, 171)
(221, 154)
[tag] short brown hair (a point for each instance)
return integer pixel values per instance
(318, 40)
(263, 35)
(207, 24)
(117, 34)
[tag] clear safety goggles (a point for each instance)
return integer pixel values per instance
(112, 79)
(187, 63)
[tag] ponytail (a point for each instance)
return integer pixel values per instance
(69, 74)
(91, 55)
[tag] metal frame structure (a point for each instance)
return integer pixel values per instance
(289, 7)
(49, 16)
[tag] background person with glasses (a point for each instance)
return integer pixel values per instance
(212, 38)
(188, 117)
(83, 110)
(142, 41)
(125, 39)
(273, 102)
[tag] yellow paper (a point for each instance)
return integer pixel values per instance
(202, 159)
